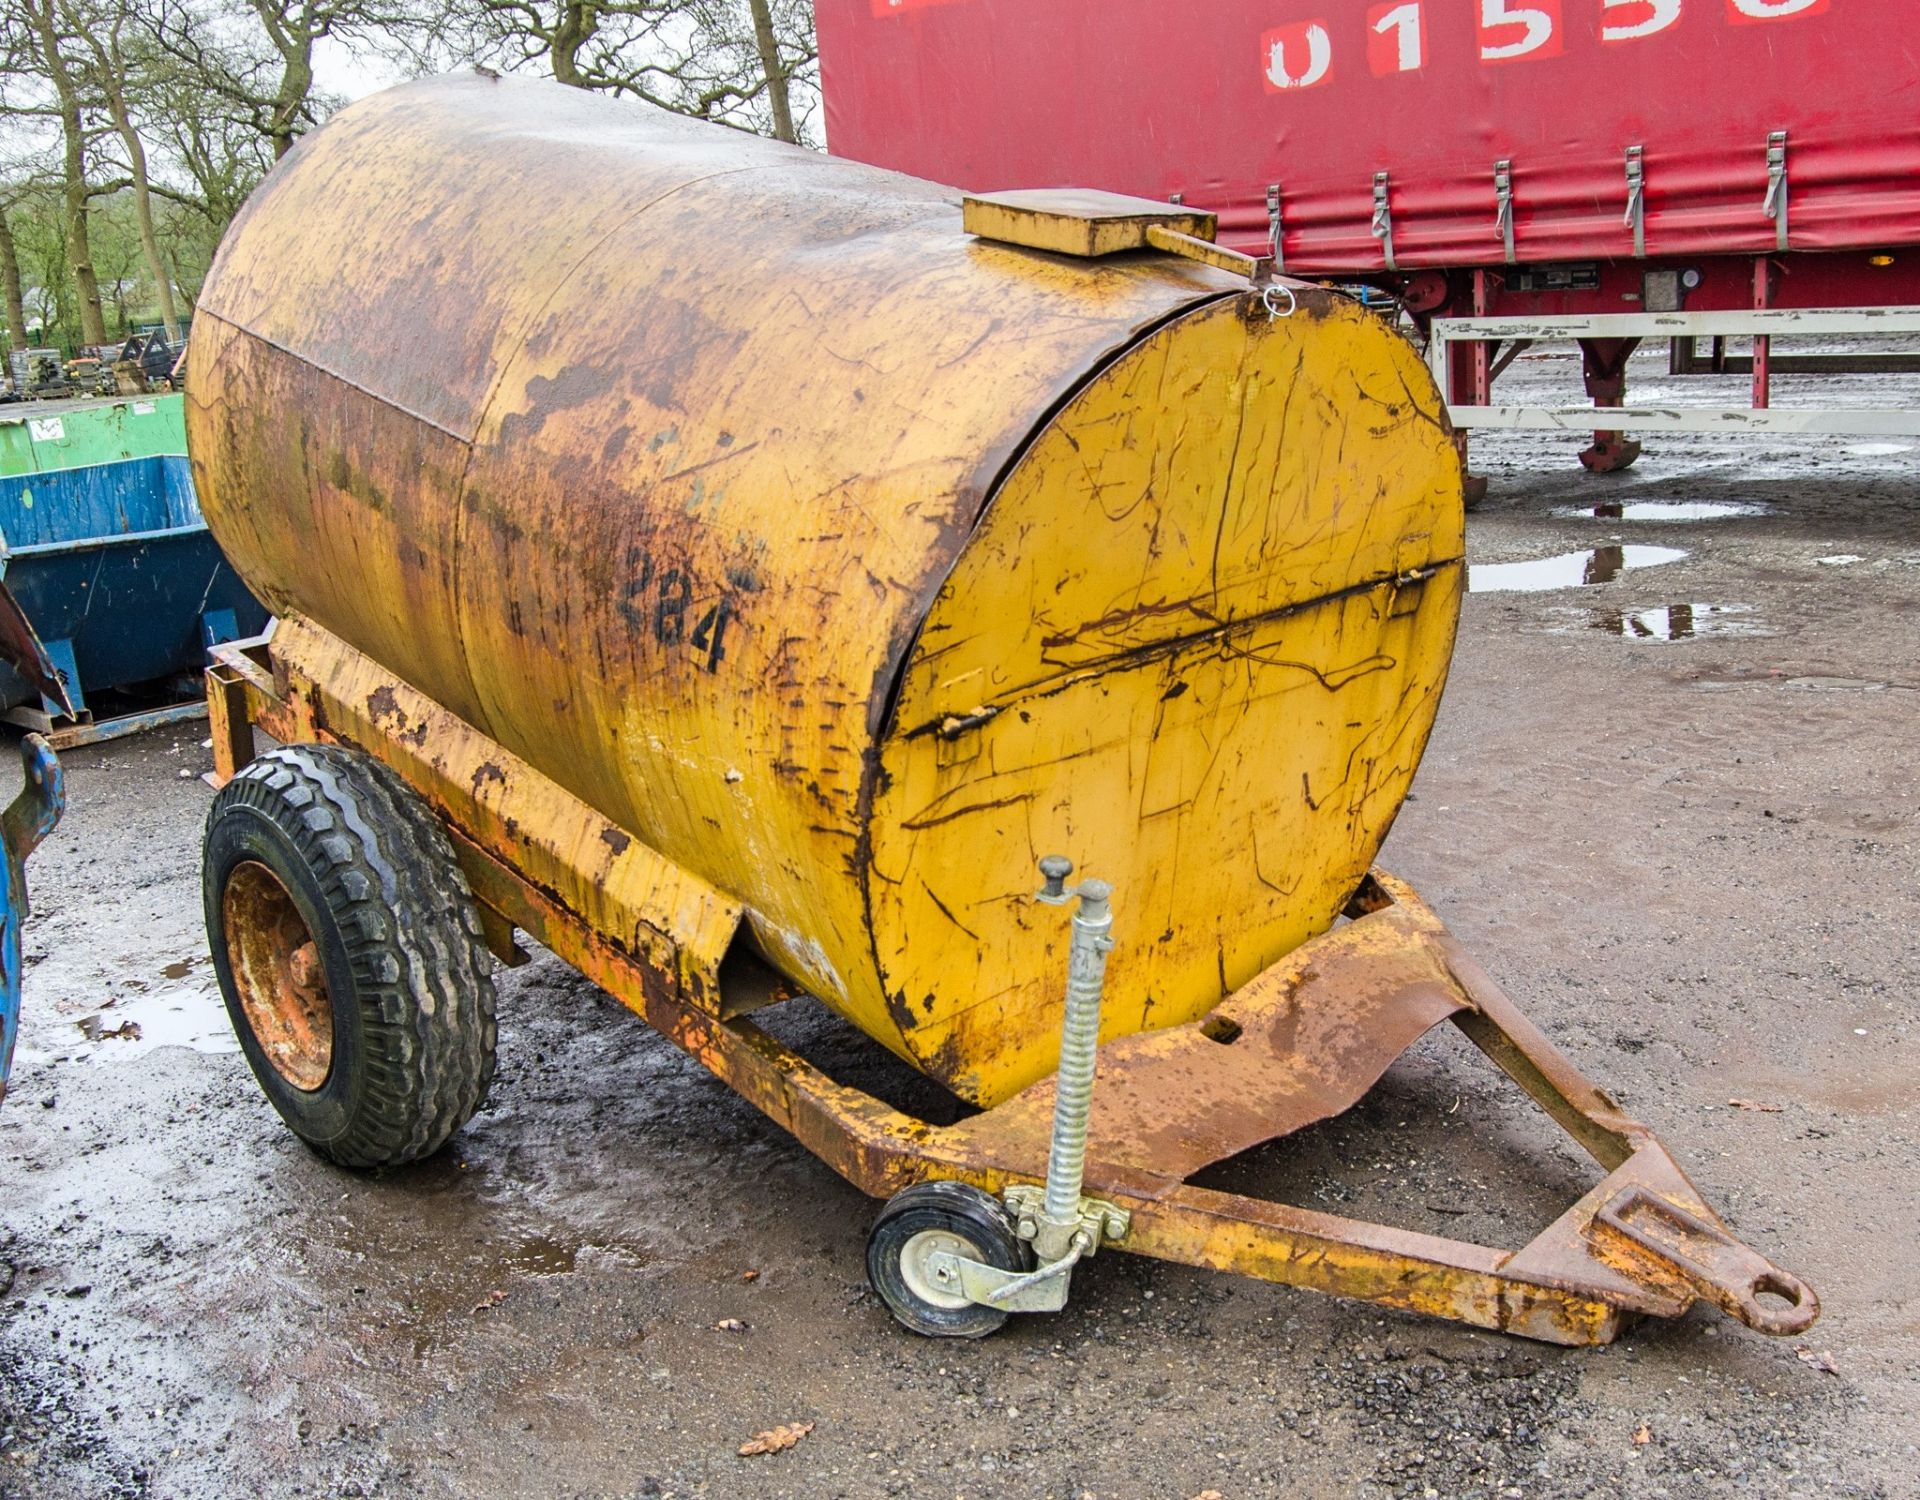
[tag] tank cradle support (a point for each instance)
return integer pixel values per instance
(1300, 1042)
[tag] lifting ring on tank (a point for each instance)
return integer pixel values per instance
(1266, 301)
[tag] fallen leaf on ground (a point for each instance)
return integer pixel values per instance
(775, 1438)
(1644, 1435)
(729, 1325)
(1755, 1104)
(95, 1029)
(493, 1299)
(1820, 1360)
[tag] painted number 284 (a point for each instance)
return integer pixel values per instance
(1301, 55)
(661, 602)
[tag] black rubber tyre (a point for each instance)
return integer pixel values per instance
(949, 1216)
(349, 953)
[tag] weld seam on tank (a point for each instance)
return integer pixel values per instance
(463, 438)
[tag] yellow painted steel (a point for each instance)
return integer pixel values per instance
(847, 561)
(1077, 221)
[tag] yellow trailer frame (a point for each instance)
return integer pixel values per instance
(1301, 1042)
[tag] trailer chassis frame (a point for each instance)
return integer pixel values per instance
(540, 861)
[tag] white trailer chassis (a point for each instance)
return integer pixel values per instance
(1760, 416)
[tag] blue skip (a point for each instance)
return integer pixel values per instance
(117, 582)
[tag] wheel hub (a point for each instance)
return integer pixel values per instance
(939, 1289)
(277, 975)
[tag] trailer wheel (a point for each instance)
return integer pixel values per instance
(933, 1216)
(349, 953)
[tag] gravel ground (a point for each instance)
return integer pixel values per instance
(1674, 812)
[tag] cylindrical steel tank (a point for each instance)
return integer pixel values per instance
(847, 560)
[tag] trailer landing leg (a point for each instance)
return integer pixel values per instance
(1603, 362)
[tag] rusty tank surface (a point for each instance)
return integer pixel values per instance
(746, 573)
(845, 559)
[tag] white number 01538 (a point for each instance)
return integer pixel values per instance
(1301, 55)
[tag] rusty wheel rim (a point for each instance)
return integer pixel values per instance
(277, 974)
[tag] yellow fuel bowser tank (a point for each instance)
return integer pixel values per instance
(749, 573)
(846, 559)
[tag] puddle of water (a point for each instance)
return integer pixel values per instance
(1569, 570)
(134, 1026)
(1665, 510)
(540, 1256)
(1668, 622)
(436, 1310)
(1877, 450)
(1834, 684)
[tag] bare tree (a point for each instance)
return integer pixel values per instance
(740, 62)
(585, 44)
(10, 278)
(257, 55)
(747, 60)
(113, 71)
(41, 26)
(217, 152)
(773, 68)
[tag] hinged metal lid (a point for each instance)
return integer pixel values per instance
(1078, 221)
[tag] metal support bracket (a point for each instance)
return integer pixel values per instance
(1774, 206)
(1275, 234)
(1383, 218)
(1503, 200)
(1447, 335)
(1042, 1290)
(1636, 218)
(1101, 1220)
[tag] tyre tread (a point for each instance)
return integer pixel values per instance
(420, 966)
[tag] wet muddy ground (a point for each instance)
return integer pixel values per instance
(1673, 808)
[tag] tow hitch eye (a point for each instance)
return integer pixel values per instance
(1660, 1242)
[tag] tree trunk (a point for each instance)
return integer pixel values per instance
(291, 30)
(772, 69)
(10, 278)
(296, 82)
(93, 324)
(185, 295)
(111, 71)
(575, 24)
(143, 211)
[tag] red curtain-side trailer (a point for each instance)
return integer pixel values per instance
(1511, 170)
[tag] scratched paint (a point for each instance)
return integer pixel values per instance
(719, 535)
